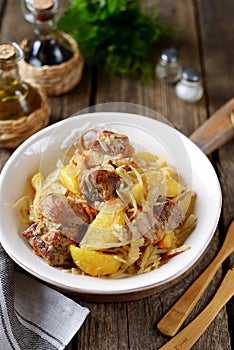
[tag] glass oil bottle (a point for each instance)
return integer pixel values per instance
(47, 46)
(17, 98)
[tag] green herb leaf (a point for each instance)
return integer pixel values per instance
(116, 35)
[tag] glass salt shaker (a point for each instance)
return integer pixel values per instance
(48, 46)
(169, 67)
(190, 88)
(17, 98)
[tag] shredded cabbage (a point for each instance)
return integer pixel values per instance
(148, 202)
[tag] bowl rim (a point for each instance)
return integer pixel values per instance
(117, 289)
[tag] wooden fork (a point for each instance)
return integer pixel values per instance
(185, 339)
(174, 318)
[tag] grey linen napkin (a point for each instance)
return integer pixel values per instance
(34, 316)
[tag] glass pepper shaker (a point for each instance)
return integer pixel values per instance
(190, 88)
(17, 98)
(48, 46)
(169, 67)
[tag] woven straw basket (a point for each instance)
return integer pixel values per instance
(14, 132)
(57, 79)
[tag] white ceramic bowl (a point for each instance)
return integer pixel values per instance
(41, 152)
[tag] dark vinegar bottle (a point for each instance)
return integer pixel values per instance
(48, 46)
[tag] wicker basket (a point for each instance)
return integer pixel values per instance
(14, 132)
(57, 79)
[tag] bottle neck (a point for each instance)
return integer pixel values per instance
(9, 75)
(41, 14)
(44, 28)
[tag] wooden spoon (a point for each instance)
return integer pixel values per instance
(172, 321)
(217, 130)
(190, 334)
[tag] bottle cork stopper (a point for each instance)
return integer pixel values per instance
(7, 52)
(43, 5)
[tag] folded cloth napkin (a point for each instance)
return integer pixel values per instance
(34, 316)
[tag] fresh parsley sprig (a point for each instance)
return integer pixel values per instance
(116, 35)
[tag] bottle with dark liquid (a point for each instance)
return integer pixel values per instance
(48, 46)
(17, 98)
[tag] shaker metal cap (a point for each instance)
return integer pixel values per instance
(170, 55)
(191, 74)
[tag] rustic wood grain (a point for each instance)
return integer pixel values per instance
(184, 117)
(171, 323)
(206, 42)
(186, 338)
(216, 28)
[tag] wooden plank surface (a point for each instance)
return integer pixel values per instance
(205, 41)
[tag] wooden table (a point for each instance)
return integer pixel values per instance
(206, 42)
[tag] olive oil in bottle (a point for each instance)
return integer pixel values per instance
(17, 98)
(48, 46)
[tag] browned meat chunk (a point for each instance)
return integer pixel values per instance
(143, 224)
(108, 143)
(162, 209)
(99, 185)
(168, 213)
(113, 144)
(61, 210)
(68, 214)
(50, 244)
